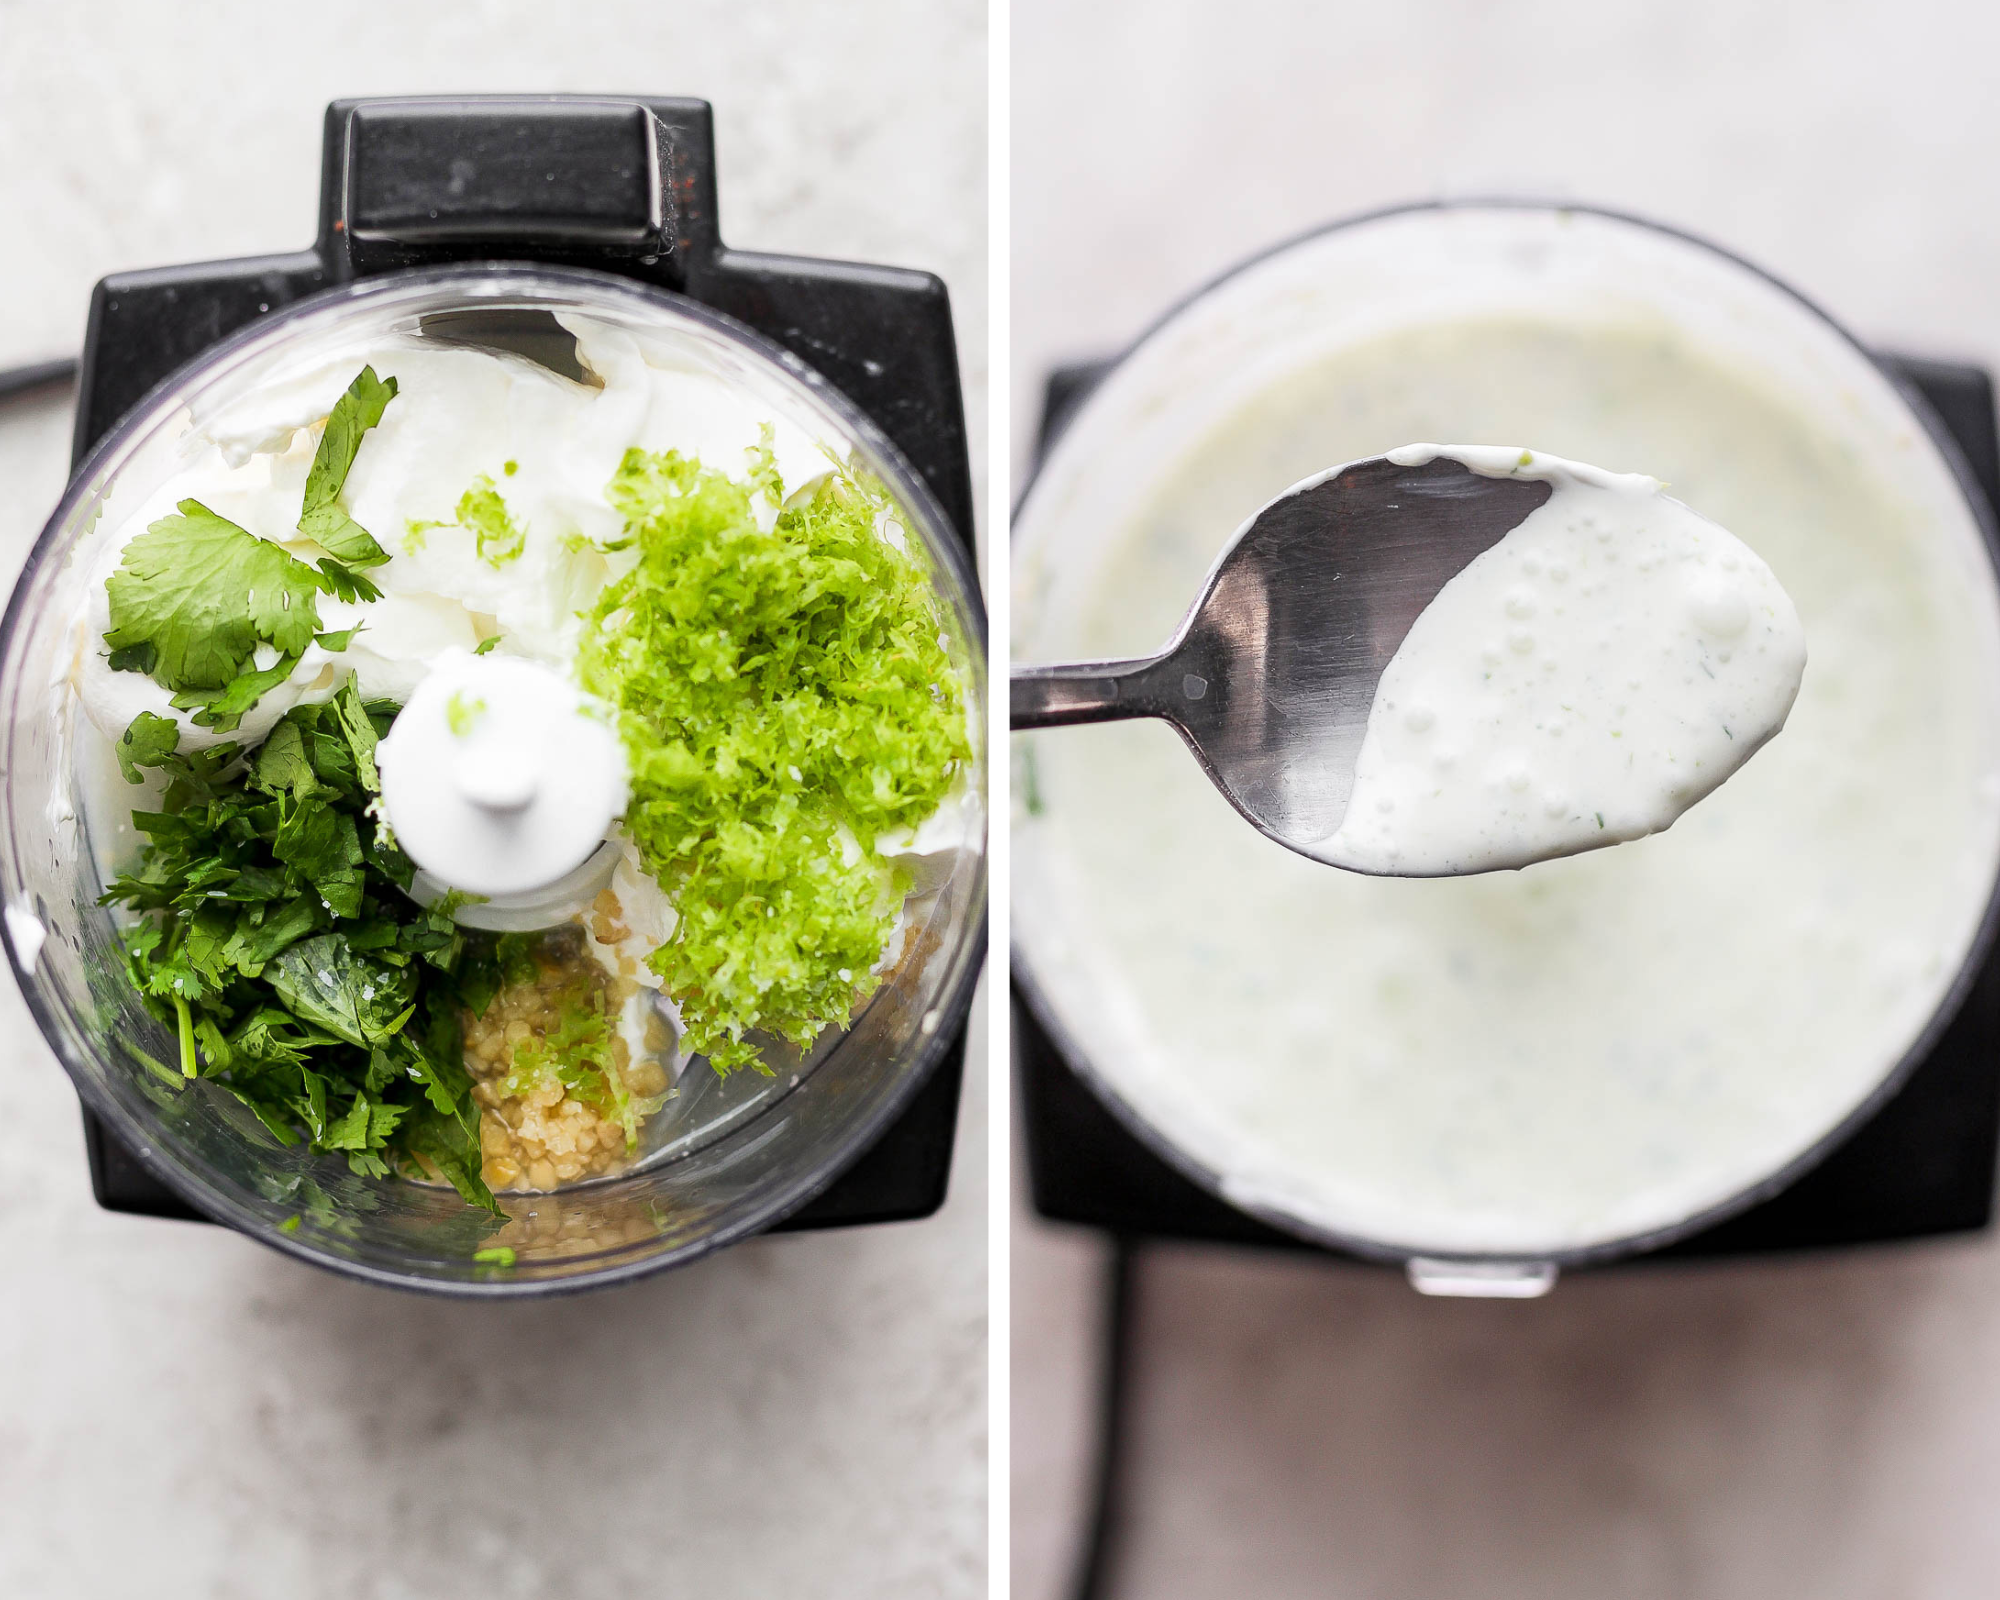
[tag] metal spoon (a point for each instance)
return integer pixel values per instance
(1271, 676)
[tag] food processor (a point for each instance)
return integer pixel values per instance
(476, 221)
(1908, 1152)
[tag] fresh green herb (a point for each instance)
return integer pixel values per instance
(461, 714)
(276, 940)
(195, 597)
(486, 644)
(290, 1224)
(786, 697)
(1600, 817)
(495, 1255)
(321, 519)
(146, 743)
(343, 583)
(510, 468)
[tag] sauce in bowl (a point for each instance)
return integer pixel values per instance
(1594, 1047)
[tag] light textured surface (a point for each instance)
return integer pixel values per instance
(1825, 1427)
(186, 1414)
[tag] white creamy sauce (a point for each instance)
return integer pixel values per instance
(1581, 683)
(1597, 1046)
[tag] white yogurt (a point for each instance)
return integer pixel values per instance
(547, 444)
(1581, 683)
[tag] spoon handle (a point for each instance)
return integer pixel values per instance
(1082, 691)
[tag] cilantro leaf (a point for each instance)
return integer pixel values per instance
(321, 519)
(281, 952)
(146, 743)
(282, 766)
(343, 583)
(323, 846)
(334, 643)
(258, 938)
(223, 709)
(360, 733)
(200, 594)
(352, 996)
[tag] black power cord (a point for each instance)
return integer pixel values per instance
(39, 375)
(1114, 1392)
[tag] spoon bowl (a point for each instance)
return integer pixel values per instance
(1272, 674)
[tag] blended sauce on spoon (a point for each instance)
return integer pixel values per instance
(1581, 683)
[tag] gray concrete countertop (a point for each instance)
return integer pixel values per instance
(186, 1414)
(1818, 1427)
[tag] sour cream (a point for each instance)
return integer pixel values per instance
(1581, 683)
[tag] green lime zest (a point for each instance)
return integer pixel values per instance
(499, 537)
(461, 714)
(786, 696)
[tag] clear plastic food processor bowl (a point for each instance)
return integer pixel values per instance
(727, 1157)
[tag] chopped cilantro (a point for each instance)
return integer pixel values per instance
(486, 644)
(193, 598)
(495, 1255)
(273, 935)
(147, 743)
(343, 583)
(511, 467)
(321, 519)
(736, 655)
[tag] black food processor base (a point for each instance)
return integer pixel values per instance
(1922, 1165)
(617, 183)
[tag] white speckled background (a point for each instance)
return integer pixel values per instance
(1816, 1427)
(185, 1414)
